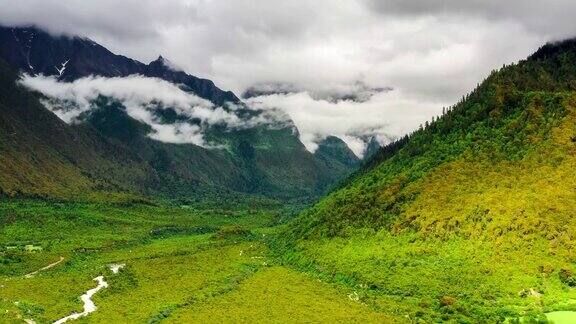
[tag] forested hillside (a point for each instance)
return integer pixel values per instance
(473, 214)
(41, 156)
(522, 117)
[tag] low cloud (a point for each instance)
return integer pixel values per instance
(357, 91)
(354, 113)
(385, 116)
(140, 96)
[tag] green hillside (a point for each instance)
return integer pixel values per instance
(41, 156)
(110, 155)
(470, 217)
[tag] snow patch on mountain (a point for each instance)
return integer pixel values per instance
(62, 68)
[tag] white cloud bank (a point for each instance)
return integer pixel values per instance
(385, 116)
(430, 51)
(140, 96)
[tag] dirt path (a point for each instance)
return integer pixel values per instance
(32, 274)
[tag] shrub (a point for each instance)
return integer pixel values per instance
(567, 277)
(447, 301)
(231, 231)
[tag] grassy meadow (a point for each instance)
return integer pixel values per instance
(180, 265)
(183, 264)
(456, 280)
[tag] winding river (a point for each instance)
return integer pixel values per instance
(89, 306)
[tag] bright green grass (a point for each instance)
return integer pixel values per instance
(81, 229)
(279, 293)
(456, 279)
(562, 317)
(181, 264)
(188, 265)
(156, 276)
(151, 286)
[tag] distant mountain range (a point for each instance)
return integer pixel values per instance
(108, 151)
(355, 92)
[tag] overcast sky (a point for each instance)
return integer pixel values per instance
(431, 52)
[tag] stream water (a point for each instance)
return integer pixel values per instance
(89, 305)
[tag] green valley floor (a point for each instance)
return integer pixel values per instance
(160, 265)
(180, 264)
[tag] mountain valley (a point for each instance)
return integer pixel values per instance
(193, 207)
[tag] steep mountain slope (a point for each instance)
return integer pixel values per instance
(471, 217)
(372, 148)
(333, 150)
(516, 111)
(257, 160)
(43, 156)
(34, 51)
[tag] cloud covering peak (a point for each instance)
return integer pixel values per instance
(385, 117)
